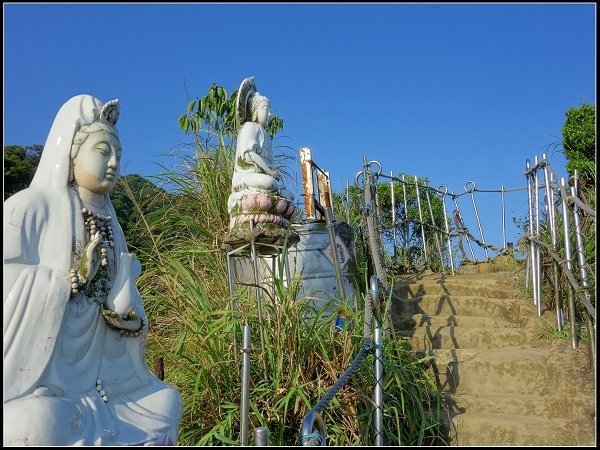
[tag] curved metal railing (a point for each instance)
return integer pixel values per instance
(548, 213)
(439, 238)
(554, 227)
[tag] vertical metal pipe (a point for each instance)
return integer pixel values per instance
(421, 220)
(261, 437)
(244, 409)
(394, 255)
(503, 217)
(446, 226)
(406, 224)
(485, 250)
(532, 247)
(565, 213)
(579, 234)
(538, 261)
(258, 301)
(556, 269)
(435, 232)
(232, 300)
(582, 266)
(378, 394)
(376, 309)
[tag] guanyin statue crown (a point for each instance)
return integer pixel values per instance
(110, 112)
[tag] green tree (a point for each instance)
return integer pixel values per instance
(402, 238)
(20, 164)
(579, 143)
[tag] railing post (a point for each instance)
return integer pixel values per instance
(446, 226)
(245, 385)
(378, 341)
(406, 225)
(538, 261)
(582, 268)
(565, 211)
(503, 217)
(435, 232)
(551, 217)
(421, 221)
(532, 246)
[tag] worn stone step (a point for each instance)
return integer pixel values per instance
(509, 370)
(502, 384)
(448, 337)
(505, 309)
(408, 323)
(472, 284)
(517, 430)
(454, 288)
(551, 406)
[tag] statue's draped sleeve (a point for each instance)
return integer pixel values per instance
(36, 286)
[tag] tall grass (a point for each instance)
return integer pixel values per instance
(194, 328)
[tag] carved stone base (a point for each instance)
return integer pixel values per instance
(262, 233)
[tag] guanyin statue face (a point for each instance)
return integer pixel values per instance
(97, 164)
(263, 111)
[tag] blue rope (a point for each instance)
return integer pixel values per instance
(344, 377)
(305, 438)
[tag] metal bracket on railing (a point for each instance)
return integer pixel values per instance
(310, 437)
(361, 174)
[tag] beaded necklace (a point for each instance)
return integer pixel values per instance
(96, 225)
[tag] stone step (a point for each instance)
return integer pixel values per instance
(448, 337)
(505, 309)
(549, 406)
(454, 288)
(472, 284)
(501, 384)
(488, 371)
(418, 320)
(517, 430)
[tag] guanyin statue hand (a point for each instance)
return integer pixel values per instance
(119, 312)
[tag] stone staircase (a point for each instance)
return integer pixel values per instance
(502, 383)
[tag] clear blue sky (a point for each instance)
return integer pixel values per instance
(451, 92)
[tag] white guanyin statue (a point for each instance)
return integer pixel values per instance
(257, 191)
(75, 329)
